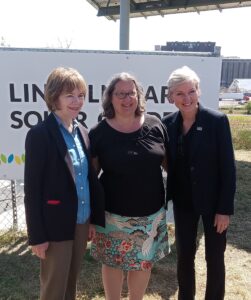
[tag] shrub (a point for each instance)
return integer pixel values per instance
(248, 107)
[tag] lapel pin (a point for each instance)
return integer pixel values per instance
(199, 128)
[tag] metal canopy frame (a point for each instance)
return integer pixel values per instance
(126, 9)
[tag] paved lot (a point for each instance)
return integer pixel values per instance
(229, 103)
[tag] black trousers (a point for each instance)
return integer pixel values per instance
(186, 226)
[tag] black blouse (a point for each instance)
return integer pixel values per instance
(182, 179)
(131, 166)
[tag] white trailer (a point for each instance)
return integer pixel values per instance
(23, 73)
(231, 96)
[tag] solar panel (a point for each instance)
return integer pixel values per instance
(142, 8)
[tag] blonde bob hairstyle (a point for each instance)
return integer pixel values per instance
(61, 80)
(108, 109)
(179, 76)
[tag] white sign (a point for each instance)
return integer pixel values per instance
(23, 73)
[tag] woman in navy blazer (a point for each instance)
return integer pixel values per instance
(201, 182)
(62, 193)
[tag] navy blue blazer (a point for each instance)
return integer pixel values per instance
(51, 200)
(212, 165)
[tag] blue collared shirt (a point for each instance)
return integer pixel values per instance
(80, 165)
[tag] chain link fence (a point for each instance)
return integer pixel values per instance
(12, 214)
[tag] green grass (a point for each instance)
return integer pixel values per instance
(19, 272)
(19, 269)
(237, 109)
(241, 131)
(240, 235)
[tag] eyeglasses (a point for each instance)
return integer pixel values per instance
(122, 95)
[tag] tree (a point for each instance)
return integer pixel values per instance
(3, 42)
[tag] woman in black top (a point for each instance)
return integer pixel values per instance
(128, 146)
(62, 192)
(201, 182)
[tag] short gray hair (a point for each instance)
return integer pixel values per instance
(181, 75)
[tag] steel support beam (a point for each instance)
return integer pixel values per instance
(124, 24)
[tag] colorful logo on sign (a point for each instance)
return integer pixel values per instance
(4, 159)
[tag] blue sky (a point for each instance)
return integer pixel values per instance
(58, 23)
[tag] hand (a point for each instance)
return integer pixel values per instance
(92, 232)
(40, 249)
(221, 222)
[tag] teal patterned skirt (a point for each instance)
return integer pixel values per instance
(131, 243)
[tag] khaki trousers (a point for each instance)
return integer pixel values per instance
(60, 269)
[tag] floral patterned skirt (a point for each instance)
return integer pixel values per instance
(131, 243)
